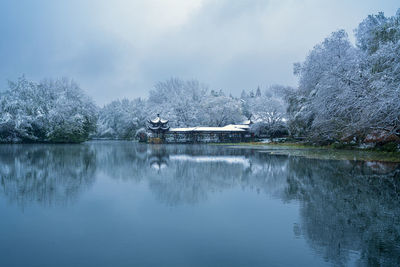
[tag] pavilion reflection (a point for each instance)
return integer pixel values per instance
(346, 207)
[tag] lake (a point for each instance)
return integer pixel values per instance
(117, 203)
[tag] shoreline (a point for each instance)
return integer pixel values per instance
(282, 148)
(318, 152)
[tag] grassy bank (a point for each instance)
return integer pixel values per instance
(318, 152)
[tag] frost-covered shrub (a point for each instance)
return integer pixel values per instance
(142, 135)
(262, 129)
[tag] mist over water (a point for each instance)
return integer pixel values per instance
(124, 204)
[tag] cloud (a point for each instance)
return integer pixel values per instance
(121, 48)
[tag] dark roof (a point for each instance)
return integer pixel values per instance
(158, 120)
(156, 128)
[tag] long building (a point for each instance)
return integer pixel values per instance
(160, 131)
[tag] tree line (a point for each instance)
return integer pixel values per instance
(350, 92)
(346, 93)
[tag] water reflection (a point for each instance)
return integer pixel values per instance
(345, 206)
(348, 206)
(49, 175)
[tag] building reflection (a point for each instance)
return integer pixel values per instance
(347, 208)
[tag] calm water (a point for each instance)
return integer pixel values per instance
(127, 204)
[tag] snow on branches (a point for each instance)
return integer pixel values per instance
(49, 111)
(347, 92)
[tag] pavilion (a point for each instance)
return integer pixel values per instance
(229, 133)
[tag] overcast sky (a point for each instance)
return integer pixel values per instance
(121, 48)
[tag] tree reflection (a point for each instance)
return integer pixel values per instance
(194, 172)
(45, 174)
(347, 208)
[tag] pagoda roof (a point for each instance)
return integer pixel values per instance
(158, 120)
(155, 128)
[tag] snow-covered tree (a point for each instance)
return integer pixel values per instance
(188, 103)
(178, 101)
(347, 92)
(73, 115)
(121, 119)
(267, 110)
(49, 111)
(220, 111)
(377, 30)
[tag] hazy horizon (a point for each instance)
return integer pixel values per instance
(122, 50)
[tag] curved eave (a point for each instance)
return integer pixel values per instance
(159, 128)
(153, 128)
(156, 120)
